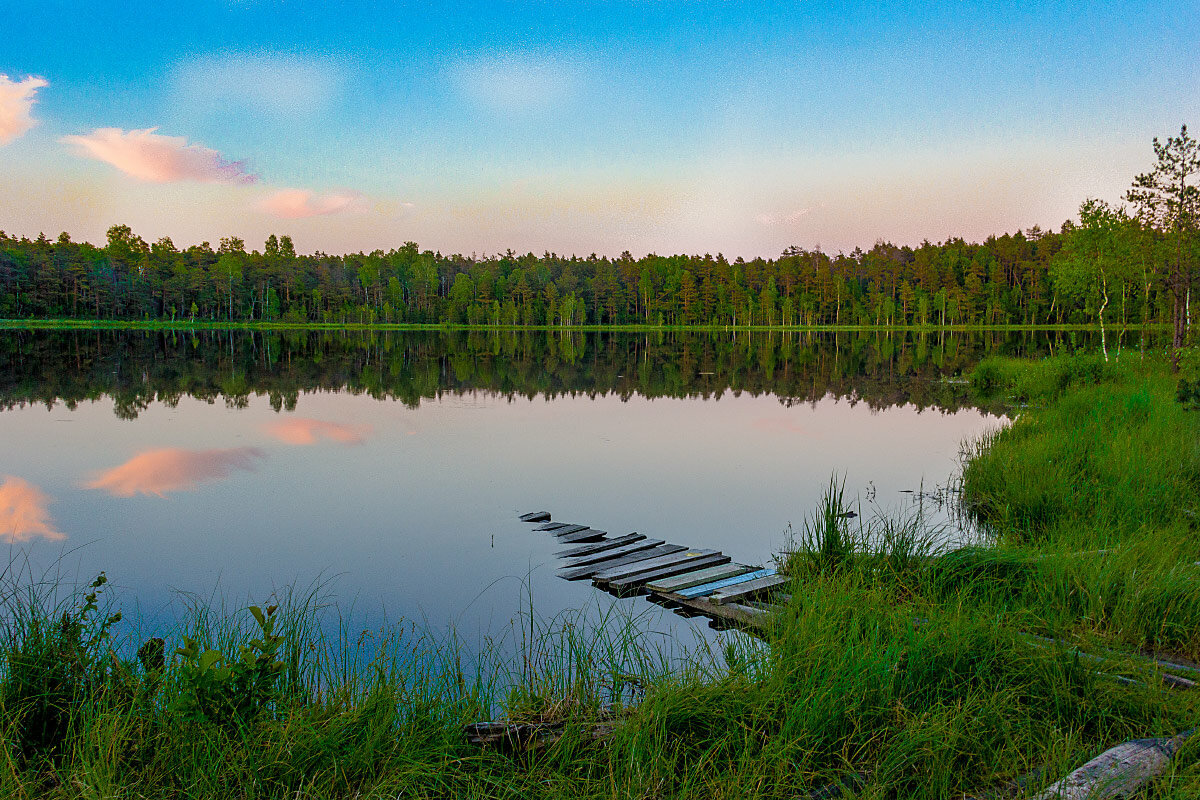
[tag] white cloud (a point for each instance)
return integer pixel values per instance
(280, 84)
(152, 157)
(16, 104)
(299, 203)
(517, 82)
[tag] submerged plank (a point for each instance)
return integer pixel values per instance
(644, 544)
(607, 544)
(616, 573)
(585, 535)
(536, 516)
(552, 526)
(690, 579)
(569, 529)
(706, 589)
(578, 573)
(744, 591)
(639, 580)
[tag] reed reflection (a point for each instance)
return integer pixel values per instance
(158, 472)
(23, 512)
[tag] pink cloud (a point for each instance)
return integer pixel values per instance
(302, 431)
(300, 203)
(23, 513)
(152, 157)
(16, 105)
(173, 470)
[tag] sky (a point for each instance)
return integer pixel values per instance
(668, 126)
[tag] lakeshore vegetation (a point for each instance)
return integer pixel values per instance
(897, 669)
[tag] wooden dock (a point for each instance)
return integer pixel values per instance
(693, 582)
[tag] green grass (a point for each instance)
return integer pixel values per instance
(897, 668)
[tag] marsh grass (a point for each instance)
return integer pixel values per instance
(898, 667)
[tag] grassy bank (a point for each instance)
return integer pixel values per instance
(897, 670)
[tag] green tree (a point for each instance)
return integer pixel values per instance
(1168, 199)
(1095, 259)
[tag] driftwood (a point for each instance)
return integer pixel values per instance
(1119, 772)
(528, 736)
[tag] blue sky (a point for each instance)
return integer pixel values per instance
(661, 126)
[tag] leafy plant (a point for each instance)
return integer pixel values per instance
(230, 691)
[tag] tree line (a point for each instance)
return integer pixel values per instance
(1128, 268)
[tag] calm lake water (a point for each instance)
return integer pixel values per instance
(395, 465)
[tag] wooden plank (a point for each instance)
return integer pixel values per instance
(744, 591)
(579, 573)
(690, 579)
(585, 535)
(552, 526)
(536, 516)
(644, 544)
(616, 573)
(569, 529)
(638, 581)
(706, 589)
(607, 544)
(727, 616)
(753, 611)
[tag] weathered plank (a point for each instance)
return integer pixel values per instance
(705, 589)
(753, 611)
(569, 529)
(685, 581)
(638, 581)
(585, 535)
(727, 616)
(607, 544)
(536, 516)
(644, 544)
(552, 526)
(579, 573)
(616, 573)
(744, 591)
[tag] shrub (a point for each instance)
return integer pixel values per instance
(230, 691)
(55, 663)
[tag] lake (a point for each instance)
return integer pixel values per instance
(393, 466)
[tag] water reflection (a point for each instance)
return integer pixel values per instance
(305, 431)
(23, 512)
(158, 472)
(138, 368)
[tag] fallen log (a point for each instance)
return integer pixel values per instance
(1118, 772)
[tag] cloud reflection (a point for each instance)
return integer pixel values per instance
(173, 470)
(303, 431)
(23, 513)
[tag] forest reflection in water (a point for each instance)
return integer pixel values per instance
(239, 462)
(137, 368)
